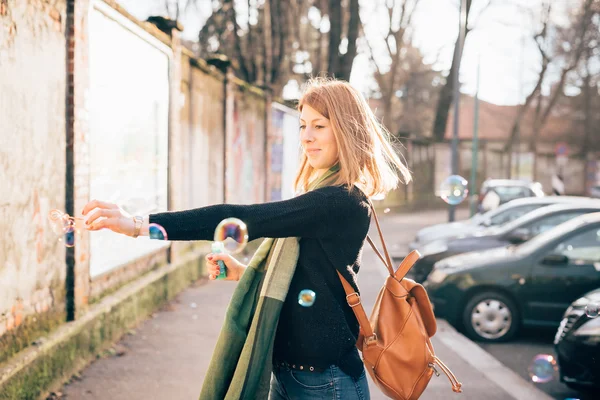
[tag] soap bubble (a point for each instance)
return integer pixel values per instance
(233, 233)
(155, 231)
(454, 189)
(592, 310)
(387, 210)
(543, 368)
(64, 226)
(306, 298)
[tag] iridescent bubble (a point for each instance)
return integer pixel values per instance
(155, 231)
(70, 239)
(233, 233)
(64, 226)
(543, 368)
(306, 298)
(592, 310)
(454, 189)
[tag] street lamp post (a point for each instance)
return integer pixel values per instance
(456, 96)
(475, 150)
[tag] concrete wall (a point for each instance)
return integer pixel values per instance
(246, 146)
(56, 127)
(32, 160)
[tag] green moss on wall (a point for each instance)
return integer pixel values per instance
(80, 343)
(32, 328)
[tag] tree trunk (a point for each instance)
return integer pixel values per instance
(353, 28)
(445, 97)
(267, 29)
(335, 37)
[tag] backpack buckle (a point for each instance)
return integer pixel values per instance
(371, 339)
(348, 300)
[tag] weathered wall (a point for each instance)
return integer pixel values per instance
(32, 159)
(206, 138)
(246, 161)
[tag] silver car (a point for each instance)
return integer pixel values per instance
(497, 217)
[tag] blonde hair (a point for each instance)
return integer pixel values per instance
(366, 156)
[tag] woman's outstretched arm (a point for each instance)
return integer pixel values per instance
(309, 215)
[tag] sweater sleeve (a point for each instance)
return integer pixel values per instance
(307, 215)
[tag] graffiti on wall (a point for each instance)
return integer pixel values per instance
(245, 152)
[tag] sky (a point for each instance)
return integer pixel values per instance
(500, 44)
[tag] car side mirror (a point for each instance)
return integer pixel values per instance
(519, 236)
(555, 259)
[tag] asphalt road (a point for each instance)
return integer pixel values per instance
(518, 354)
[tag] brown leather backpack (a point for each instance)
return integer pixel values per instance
(395, 341)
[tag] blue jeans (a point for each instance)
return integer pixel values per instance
(331, 384)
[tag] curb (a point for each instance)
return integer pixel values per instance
(505, 378)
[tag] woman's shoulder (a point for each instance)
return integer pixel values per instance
(344, 196)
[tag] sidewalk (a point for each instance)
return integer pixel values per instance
(167, 356)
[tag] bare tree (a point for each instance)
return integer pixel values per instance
(256, 42)
(325, 35)
(445, 95)
(566, 48)
(400, 13)
(345, 25)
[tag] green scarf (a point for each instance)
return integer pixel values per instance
(241, 365)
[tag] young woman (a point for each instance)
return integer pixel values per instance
(346, 159)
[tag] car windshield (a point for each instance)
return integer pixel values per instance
(512, 213)
(490, 217)
(548, 236)
(530, 217)
(508, 193)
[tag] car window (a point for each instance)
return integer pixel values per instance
(508, 193)
(512, 214)
(547, 223)
(583, 248)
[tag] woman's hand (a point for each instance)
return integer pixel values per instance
(234, 268)
(109, 216)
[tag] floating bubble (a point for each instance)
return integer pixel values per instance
(454, 189)
(306, 298)
(543, 368)
(64, 226)
(233, 233)
(592, 310)
(70, 239)
(387, 210)
(155, 231)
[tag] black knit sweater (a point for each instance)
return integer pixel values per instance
(332, 224)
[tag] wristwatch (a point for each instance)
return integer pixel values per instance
(138, 221)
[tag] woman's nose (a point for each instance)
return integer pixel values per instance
(307, 136)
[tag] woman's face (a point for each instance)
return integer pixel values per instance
(318, 141)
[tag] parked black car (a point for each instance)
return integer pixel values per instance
(491, 293)
(515, 232)
(577, 344)
(497, 217)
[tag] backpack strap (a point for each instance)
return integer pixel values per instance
(353, 299)
(388, 260)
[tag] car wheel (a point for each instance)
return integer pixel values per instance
(490, 317)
